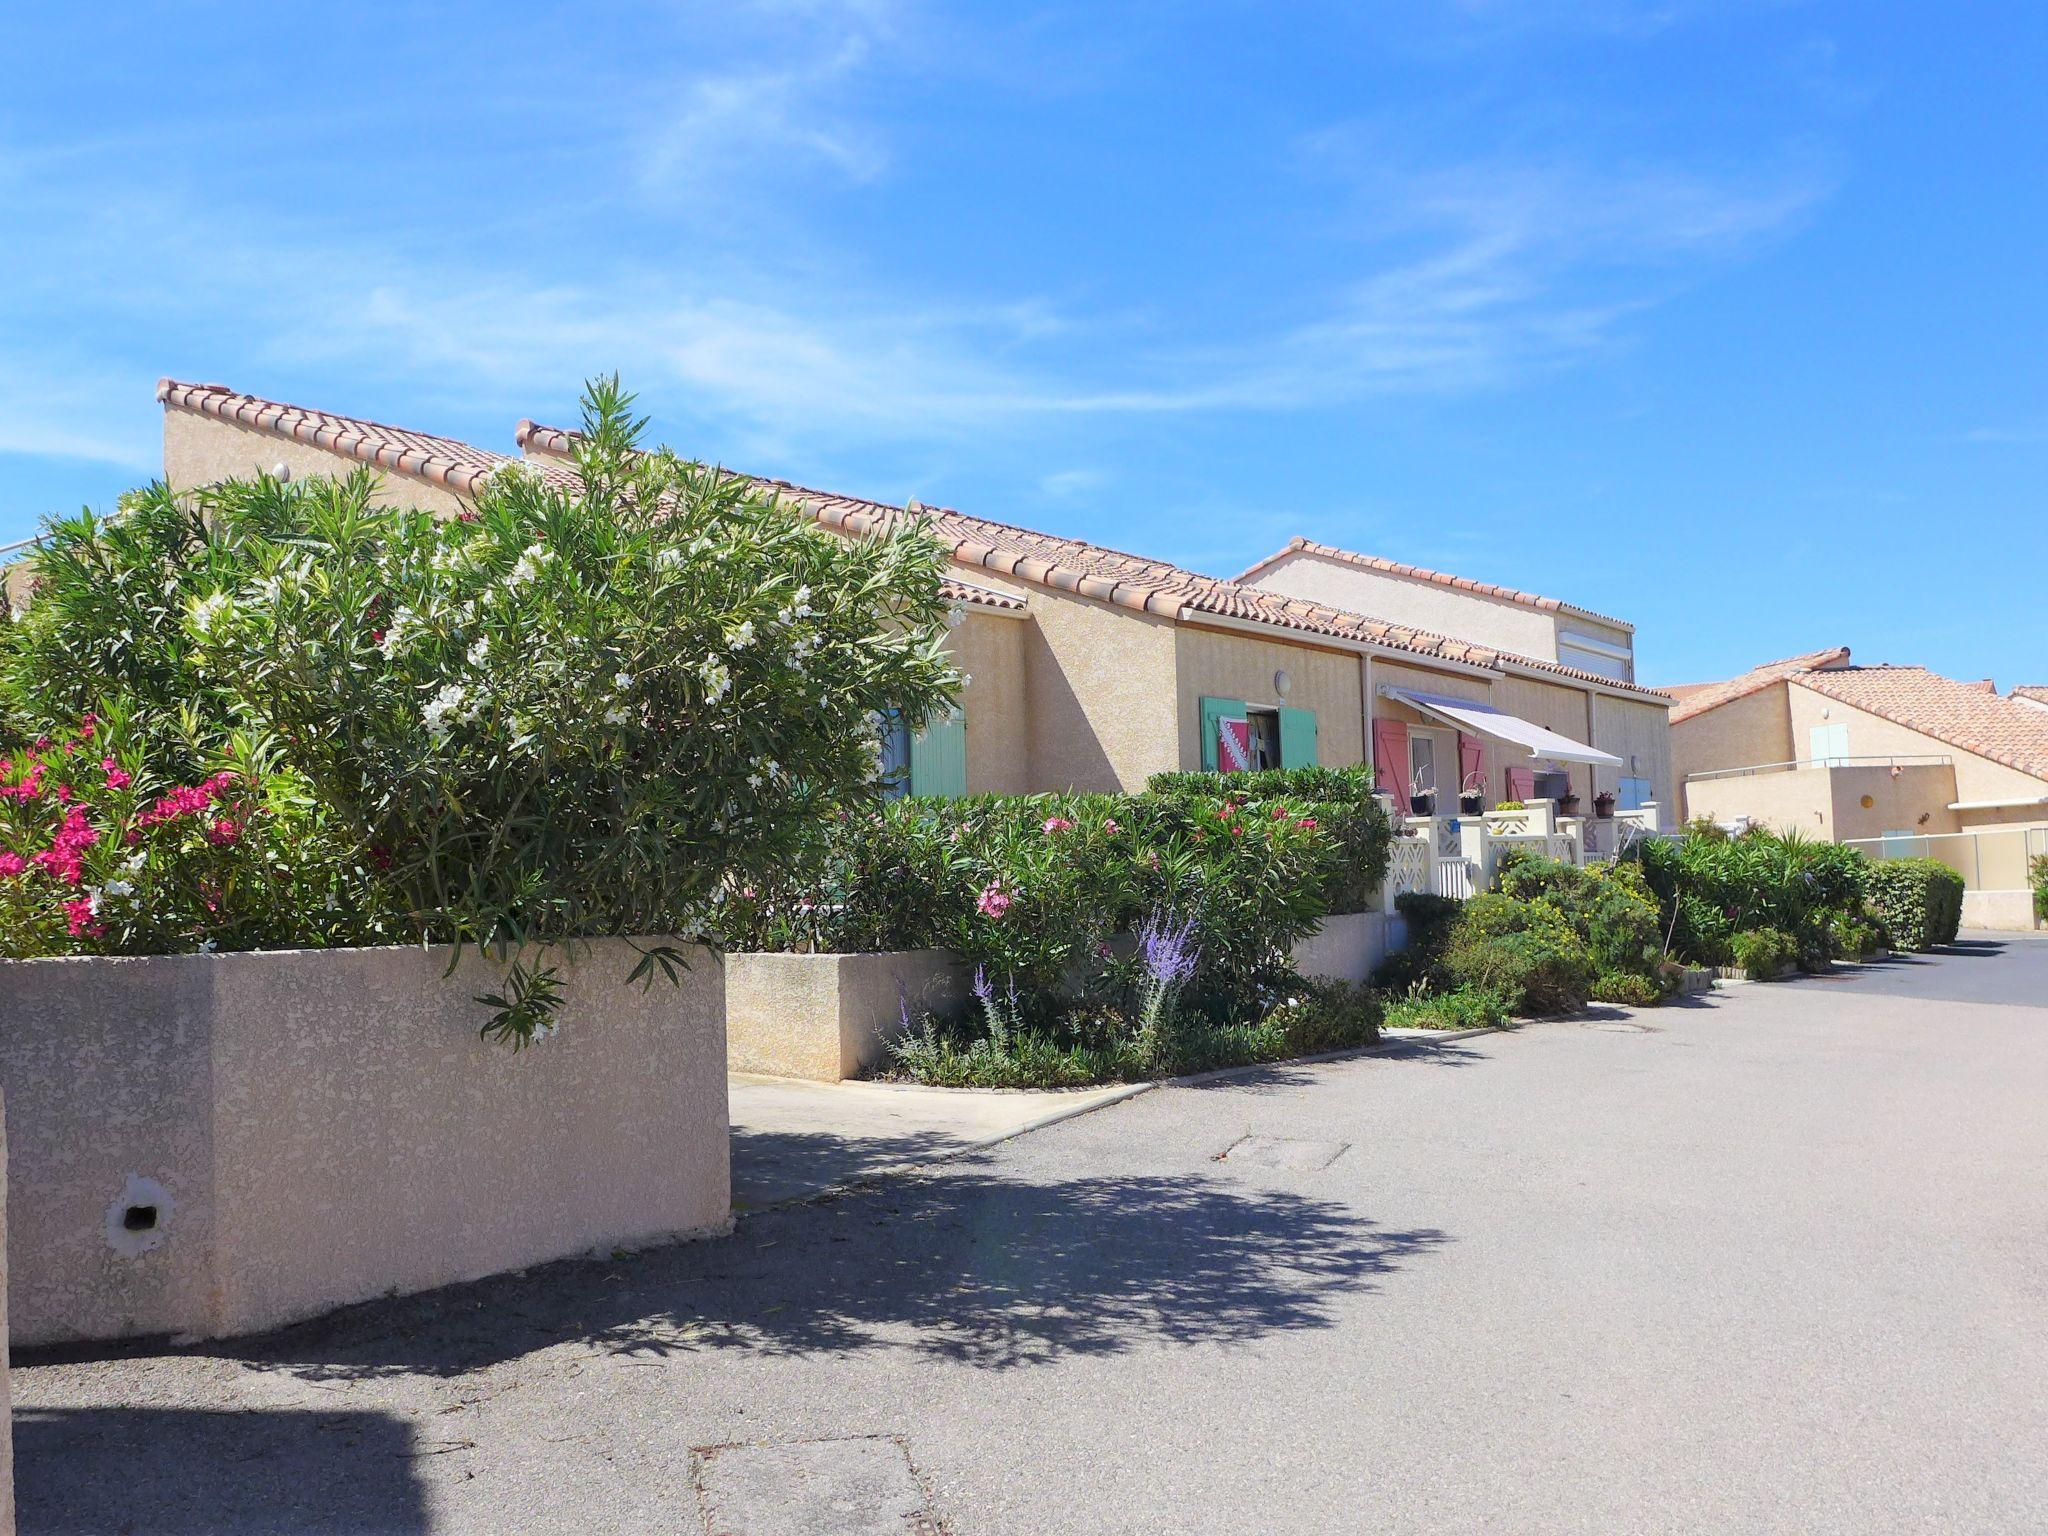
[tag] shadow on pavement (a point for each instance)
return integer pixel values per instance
(188, 1472)
(963, 1264)
(770, 1166)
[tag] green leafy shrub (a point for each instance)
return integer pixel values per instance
(1038, 889)
(1610, 906)
(2037, 870)
(1919, 900)
(581, 709)
(1710, 885)
(1526, 951)
(1857, 936)
(1627, 988)
(1460, 1008)
(1763, 953)
(1342, 804)
(1320, 1015)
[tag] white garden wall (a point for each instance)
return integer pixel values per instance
(829, 1017)
(217, 1144)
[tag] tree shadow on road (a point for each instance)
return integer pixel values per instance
(960, 1263)
(190, 1472)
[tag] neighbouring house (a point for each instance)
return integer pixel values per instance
(1897, 760)
(2033, 695)
(1092, 669)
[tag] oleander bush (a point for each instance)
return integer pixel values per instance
(1353, 821)
(1920, 901)
(1710, 886)
(2037, 871)
(580, 709)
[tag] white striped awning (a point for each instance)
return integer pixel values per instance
(1485, 720)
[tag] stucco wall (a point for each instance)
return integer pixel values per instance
(320, 1127)
(1640, 735)
(990, 649)
(1100, 683)
(1419, 604)
(1346, 947)
(1225, 664)
(1743, 734)
(829, 1017)
(1977, 778)
(200, 449)
(1828, 802)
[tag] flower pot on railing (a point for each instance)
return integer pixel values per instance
(1471, 805)
(1603, 806)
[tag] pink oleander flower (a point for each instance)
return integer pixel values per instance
(993, 902)
(223, 831)
(117, 776)
(1056, 824)
(1111, 827)
(1307, 821)
(64, 793)
(12, 863)
(79, 914)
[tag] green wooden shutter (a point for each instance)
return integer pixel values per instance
(1214, 711)
(1297, 738)
(938, 757)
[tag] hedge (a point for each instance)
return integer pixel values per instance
(1919, 900)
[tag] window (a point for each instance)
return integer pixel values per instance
(1421, 774)
(1632, 794)
(1265, 724)
(1552, 783)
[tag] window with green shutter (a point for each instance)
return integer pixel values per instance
(1214, 713)
(1297, 738)
(938, 757)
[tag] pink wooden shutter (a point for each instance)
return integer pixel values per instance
(1522, 784)
(1390, 761)
(1471, 765)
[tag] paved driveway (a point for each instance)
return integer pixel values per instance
(1980, 967)
(1771, 1263)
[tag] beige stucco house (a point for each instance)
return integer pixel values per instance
(1092, 669)
(1898, 760)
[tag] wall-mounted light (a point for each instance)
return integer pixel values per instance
(1282, 683)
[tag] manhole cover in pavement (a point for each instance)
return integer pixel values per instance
(1284, 1152)
(1623, 1029)
(863, 1486)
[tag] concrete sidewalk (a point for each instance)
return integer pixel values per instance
(792, 1137)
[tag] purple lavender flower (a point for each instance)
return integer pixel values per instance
(982, 989)
(1165, 949)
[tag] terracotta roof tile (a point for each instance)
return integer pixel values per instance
(1130, 581)
(1697, 698)
(1071, 565)
(2033, 693)
(1422, 573)
(1964, 715)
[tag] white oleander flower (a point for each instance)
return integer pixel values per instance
(717, 680)
(207, 611)
(742, 637)
(622, 680)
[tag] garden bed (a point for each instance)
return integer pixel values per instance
(210, 1145)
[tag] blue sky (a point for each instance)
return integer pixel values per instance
(1728, 318)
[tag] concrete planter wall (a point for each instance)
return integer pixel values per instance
(217, 1144)
(829, 1017)
(1349, 946)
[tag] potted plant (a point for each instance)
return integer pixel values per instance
(1603, 804)
(1471, 796)
(1568, 803)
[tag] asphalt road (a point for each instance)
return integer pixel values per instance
(1777, 1262)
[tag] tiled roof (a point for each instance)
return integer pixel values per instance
(1130, 581)
(1301, 546)
(442, 460)
(1697, 698)
(1964, 715)
(2033, 693)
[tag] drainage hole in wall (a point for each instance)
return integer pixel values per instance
(139, 1218)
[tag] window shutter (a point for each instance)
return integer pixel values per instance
(938, 757)
(1297, 738)
(1390, 761)
(1522, 784)
(1214, 713)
